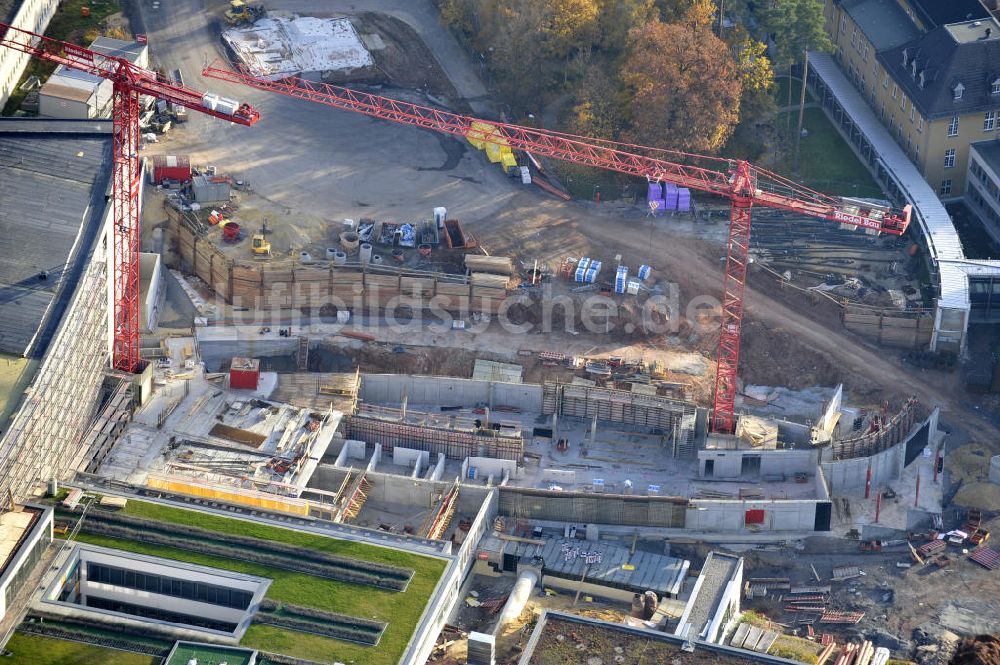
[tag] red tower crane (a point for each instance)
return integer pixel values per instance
(744, 184)
(129, 83)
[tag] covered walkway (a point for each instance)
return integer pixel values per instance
(950, 269)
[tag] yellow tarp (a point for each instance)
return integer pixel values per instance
(262, 500)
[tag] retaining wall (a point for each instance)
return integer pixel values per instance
(850, 475)
(284, 284)
(448, 391)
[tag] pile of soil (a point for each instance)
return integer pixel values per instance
(980, 650)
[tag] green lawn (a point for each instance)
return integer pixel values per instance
(826, 162)
(29, 649)
(68, 24)
(400, 610)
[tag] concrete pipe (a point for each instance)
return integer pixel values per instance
(305, 257)
(376, 259)
(330, 253)
(339, 258)
(518, 598)
(366, 253)
(349, 241)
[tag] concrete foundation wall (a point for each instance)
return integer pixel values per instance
(585, 508)
(851, 475)
(218, 351)
(710, 515)
(488, 466)
(448, 391)
(409, 457)
(729, 463)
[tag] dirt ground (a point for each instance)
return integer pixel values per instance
(969, 465)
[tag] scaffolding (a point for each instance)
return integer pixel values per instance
(438, 523)
(454, 444)
(45, 435)
(355, 499)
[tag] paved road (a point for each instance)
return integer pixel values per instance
(313, 159)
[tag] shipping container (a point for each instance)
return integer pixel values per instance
(170, 167)
(244, 374)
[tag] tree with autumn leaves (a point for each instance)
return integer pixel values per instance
(646, 71)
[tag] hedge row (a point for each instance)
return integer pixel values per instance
(337, 632)
(332, 617)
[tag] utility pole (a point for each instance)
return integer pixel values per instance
(802, 105)
(722, 14)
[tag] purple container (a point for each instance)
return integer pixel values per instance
(670, 196)
(654, 192)
(683, 199)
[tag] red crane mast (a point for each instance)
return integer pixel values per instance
(130, 82)
(744, 184)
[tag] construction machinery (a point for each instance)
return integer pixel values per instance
(242, 13)
(130, 82)
(744, 184)
(259, 245)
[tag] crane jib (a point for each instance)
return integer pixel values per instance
(857, 220)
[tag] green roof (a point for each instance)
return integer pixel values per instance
(209, 654)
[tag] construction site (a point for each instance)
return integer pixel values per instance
(319, 362)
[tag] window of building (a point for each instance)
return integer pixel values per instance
(911, 113)
(902, 102)
(906, 55)
(949, 158)
(892, 120)
(854, 37)
(843, 24)
(909, 143)
(874, 70)
(881, 111)
(916, 154)
(959, 90)
(885, 81)
(995, 87)
(953, 126)
(920, 124)
(895, 90)
(945, 187)
(864, 51)
(989, 122)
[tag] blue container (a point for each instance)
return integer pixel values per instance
(621, 278)
(670, 196)
(580, 275)
(644, 271)
(595, 265)
(591, 276)
(654, 192)
(583, 263)
(473, 471)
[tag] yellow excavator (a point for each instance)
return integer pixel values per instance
(241, 12)
(259, 244)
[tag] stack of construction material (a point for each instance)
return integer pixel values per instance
(497, 265)
(580, 274)
(757, 432)
(644, 272)
(621, 279)
(487, 137)
(488, 291)
(482, 649)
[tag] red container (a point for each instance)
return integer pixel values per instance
(170, 167)
(244, 374)
(754, 517)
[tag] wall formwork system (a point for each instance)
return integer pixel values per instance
(674, 418)
(44, 436)
(886, 436)
(590, 508)
(454, 444)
